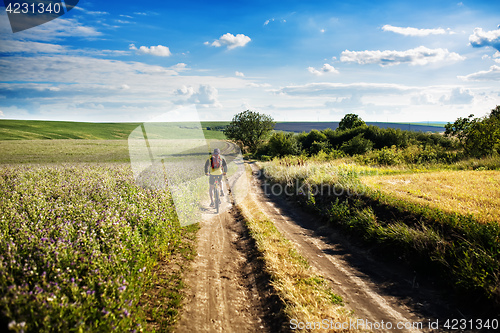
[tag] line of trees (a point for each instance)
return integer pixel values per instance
(254, 132)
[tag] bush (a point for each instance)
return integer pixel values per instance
(307, 140)
(282, 144)
(316, 147)
(357, 145)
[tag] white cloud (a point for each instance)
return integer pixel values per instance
(458, 96)
(159, 51)
(417, 56)
(17, 46)
(282, 20)
(493, 74)
(185, 91)
(180, 67)
(1, 114)
(231, 41)
(51, 31)
(346, 102)
(79, 8)
(341, 89)
(258, 85)
(482, 38)
(413, 31)
(327, 68)
(240, 74)
(78, 69)
(206, 96)
(423, 99)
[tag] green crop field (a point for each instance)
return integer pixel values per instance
(36, 130)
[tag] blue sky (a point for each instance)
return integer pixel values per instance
(124, 60)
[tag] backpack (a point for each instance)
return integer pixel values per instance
(216, 162)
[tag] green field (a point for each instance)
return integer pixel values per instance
(41, 130)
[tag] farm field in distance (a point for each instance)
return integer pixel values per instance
(41, 129)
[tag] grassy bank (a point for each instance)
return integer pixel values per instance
(306, 296)
(463, 249)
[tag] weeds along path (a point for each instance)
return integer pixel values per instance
(373, 290)
(226, 291)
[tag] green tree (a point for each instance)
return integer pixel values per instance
(349, 121)
(495, 113)
(282, 144)
(478, 136)
(357, 145)
(311, 137)
(250, 128)
(460, 128)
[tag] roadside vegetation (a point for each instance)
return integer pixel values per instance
(82, 246)
(427, 199)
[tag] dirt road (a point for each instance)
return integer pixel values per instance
(227, 291)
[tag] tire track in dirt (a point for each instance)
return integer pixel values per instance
(227, 290)
(373, 291)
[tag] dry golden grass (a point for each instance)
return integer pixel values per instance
(306, 295)
(464, 192)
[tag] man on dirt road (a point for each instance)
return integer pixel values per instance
(215, 167)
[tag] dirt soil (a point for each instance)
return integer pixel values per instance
(229, 292)
(227, 288)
